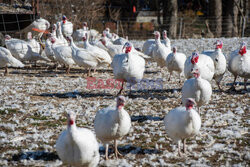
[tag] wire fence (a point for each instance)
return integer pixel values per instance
(186, 28)
(137, 27)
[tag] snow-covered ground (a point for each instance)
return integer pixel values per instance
(33, 103)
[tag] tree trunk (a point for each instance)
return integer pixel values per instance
(235, 19)
(230, 18)
(215, 17)
(245, 7)
(157, 4)
(170, 10)
(246, 13)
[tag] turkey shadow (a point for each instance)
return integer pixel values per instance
(124, 150)
(160, 94)
(237, 90)
(44, 72)
(237, 83)
(75, 94)
(142, 118)
(35, 155)
(151, 72)
(49, 71)
(104, 70)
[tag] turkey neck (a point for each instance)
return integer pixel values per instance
(53, 33)
(86, 43)
(189, 117)
(218, 50)
(119, 114)
(157, 41)
(72, 128)
(59, 30)
(73, 46)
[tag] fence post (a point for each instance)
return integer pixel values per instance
(243, 27)
(117, 27)
(180, 31)
(4, 24)
(18, 25)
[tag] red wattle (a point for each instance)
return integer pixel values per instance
(219, 46)
(128, 49)
(71, 122)
(194, 60)
(243, 51)
(189, 107)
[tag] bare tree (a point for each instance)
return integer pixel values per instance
(77, 11)
(170, 9)
(215, 17)
(230, 27)
(114, 14)
(243, 13)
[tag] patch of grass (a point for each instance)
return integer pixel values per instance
(50, 124)
(10, 111)
(36, 124)
(38, 117)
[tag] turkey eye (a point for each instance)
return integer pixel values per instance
(216, 59)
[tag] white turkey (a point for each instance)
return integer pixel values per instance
(60, 38)
(182, 123)
(239, 64)
(67, 27)
(112, 49)
(48, 49)
(6, 59)
(36, 50)
(220, 62)
(102, 55)
(120, 41)
(80, 33)
(53, 31)
(35, 46)
(203, 63)
(111, 124)
(198, 89)
(77, 146)
(107, 33)
(22, 50)
(48, 45)
(83, 57)
(160, 51)
(63, 54)
(128, 66)
(166, 40)
(149, 45)
(39, 25)
(94, 35)
(114, 38)
(17, 47)
(175, 62)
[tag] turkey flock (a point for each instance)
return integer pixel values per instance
(88, 49)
